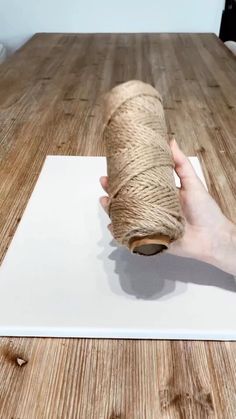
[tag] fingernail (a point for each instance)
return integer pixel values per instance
(175, 142)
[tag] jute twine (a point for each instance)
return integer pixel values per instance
(144, 200)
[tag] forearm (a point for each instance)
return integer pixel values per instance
(223, 253)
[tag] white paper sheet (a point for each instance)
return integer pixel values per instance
(64, 276)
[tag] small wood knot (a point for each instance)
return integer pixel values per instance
(213, 85)
(201, 149)
(68, 99)
(172, 397)
(115, 415)
(21, 362)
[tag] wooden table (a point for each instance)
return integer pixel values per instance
(50, 94)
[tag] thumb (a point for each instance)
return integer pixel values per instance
(183, 167)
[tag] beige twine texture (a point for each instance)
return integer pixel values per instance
(143, 196)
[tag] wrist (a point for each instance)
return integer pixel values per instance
(223, 248)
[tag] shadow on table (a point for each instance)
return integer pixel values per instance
(155, 277)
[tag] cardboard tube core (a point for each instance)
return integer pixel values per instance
(149, 245)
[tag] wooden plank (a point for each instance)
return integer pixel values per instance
(50, 95)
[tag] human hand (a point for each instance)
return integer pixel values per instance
(209, 236)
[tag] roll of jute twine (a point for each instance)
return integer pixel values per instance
(144, 205)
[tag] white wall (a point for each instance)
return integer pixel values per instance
(20, 19)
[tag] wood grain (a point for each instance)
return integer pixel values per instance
(50, 95)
